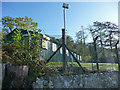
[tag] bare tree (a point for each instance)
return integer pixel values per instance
(95, 35)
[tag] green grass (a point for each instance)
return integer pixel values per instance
(102, 66)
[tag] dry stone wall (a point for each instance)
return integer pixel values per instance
(3, 71)
(18, 75)
(91, 80)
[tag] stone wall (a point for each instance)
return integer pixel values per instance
(3, 71)
(0, 76)
(91, 80)
(17, 76)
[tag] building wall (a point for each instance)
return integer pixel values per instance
(51, 46)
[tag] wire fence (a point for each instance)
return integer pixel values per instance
(86, 61)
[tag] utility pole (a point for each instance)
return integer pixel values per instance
(64, 47)
(63, 50)
(64, 40)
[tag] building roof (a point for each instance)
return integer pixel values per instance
(9, 37)
(57, 41)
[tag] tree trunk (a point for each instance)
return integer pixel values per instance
(96, 57)
(103, 50)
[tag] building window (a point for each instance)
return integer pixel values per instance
(54, 47)
(67, 52)
(74, 54)
(45, 44)
(78, 57)
(61, 50)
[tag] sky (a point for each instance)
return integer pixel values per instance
(49, 15)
